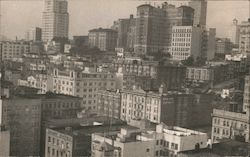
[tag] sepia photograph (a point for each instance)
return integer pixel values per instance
(124, 78)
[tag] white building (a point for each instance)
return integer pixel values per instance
(165, 141)
(39, 81)
(186, 42)
(138, 104)
(55, 19)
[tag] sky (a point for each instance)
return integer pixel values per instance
(20, 15)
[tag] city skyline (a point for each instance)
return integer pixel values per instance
(82, 18)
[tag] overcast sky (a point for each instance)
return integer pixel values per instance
(20, 15)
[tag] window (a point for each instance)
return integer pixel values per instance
(157, 142)
(48, 150)
(53, 151)
(49, 139)
(176, 146)
(147, 150)
(161, 142)
(156, 153)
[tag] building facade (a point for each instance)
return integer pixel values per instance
(58, 144)
(104, 39)
(109, 103)
(22, 117)
(244, 43)
(84, 84)
(55, 19)
(14, 49)
(186, 42)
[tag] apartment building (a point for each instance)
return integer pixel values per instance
(84, 84)
(137, 104)
(136, 66)
(109, 103)
(14, 49)
(104, 39)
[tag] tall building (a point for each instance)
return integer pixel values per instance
(124, 27)
(208, 48)
(34, 34)
(181, 16)
(186, 42)
(154, 26)
(200, 12)
(104, 39)
(223, 46)
(246, 106)
(55, 19)
(150, 30)
(234, 32)
(22, 116)
(244, 43)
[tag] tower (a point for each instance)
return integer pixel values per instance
(55, 19)
(234, 32)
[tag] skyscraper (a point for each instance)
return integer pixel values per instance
(150, 30)
(234, 32)
(200, 11)
(55, 19)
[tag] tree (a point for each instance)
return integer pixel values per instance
(189, 61)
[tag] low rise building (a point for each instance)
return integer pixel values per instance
(164, 141)
(230, 125)
(72, 137)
